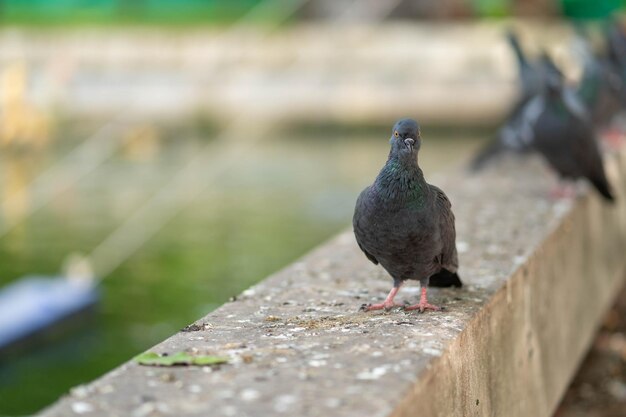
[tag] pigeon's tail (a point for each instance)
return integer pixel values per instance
(445, 278)
(485, 154)
(603, 187)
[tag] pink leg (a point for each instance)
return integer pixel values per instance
(388, 303)
(423, 304)
(614, 138)
(563, 191)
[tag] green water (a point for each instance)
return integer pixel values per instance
(272, 205)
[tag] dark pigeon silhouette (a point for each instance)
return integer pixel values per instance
(563, 132)
(406, 224)
(510, 136)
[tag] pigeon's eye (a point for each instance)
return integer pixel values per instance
(396, 133)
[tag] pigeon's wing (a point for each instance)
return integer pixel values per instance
(369, 255)
(449, 257)
(358, 213)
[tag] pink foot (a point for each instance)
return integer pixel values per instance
(562, 191)
(422, 307)
(385, 305)
(423, 304)
(614, 139)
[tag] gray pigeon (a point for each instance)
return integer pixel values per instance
(616, 47)
(562, 131)
(406, 224)
(601, 89)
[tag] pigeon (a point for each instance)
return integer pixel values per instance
(616, 56)
(508, 135)
(562, 131)
(601, 88)
(616, 46)
(405, 224)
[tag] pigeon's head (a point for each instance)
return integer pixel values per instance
(405, 137)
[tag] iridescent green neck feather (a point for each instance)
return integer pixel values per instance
(401, 182)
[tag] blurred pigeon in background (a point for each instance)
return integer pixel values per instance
(406, 224)
(563, 132)
(615, 39)
(601, 87)
(616, 46)
(596, 101)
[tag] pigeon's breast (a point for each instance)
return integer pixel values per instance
(406, 241)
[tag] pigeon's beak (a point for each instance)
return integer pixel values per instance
(409, 142)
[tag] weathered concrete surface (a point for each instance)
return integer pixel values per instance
(539, 277)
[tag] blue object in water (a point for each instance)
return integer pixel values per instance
(35, 303)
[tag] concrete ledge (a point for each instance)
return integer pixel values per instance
(539, 277)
